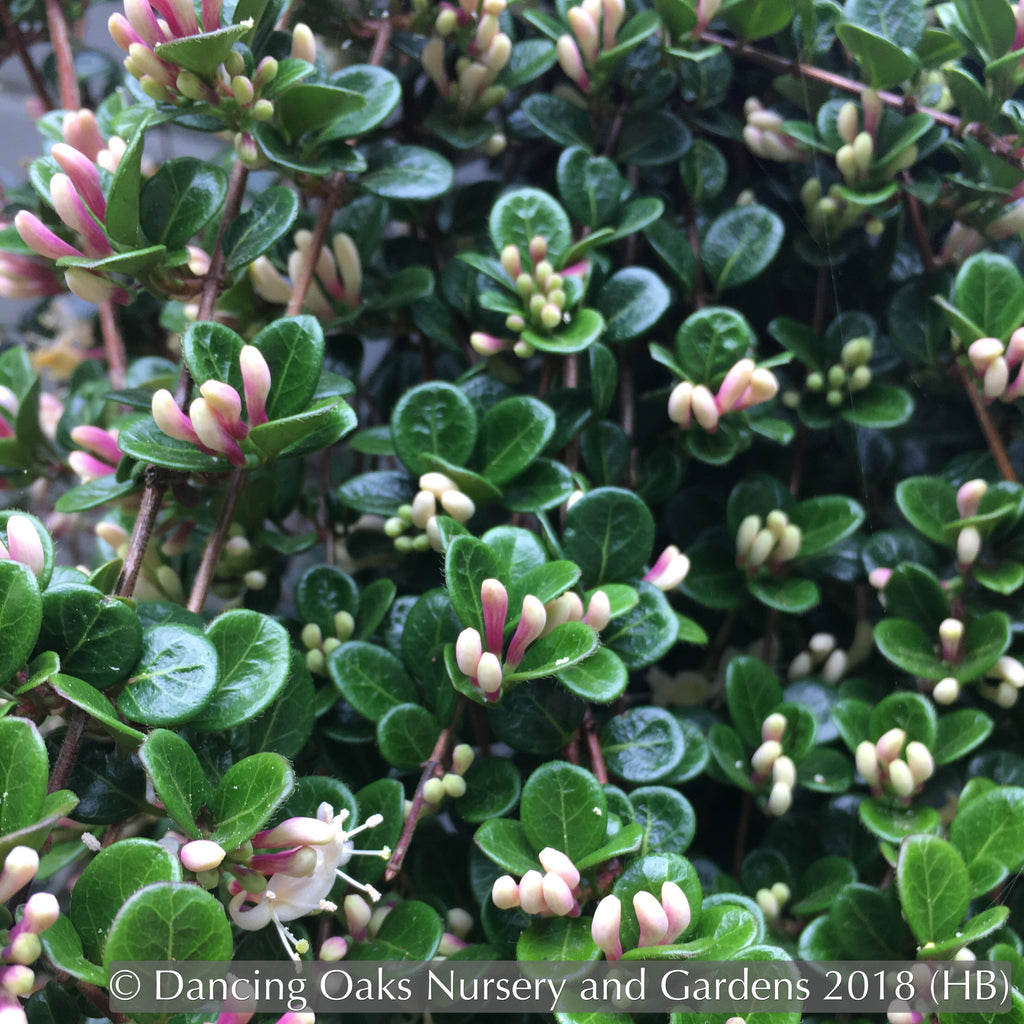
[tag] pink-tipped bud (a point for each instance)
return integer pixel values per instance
(87, 467)
(765, 756)
(951, 634)
(737, 380)
(295, 832)
(98, 440)
(604, 929)
(652, 919)
(558, 863)
(142, 19)
(679, 403)
(997, 376)
(780, 800)
(256, 384)
(487, 344)
(614, 14)
(201, 855)
(557, 895)
(677, 911)
(969, 496)
(531, 893)
(123, 33)
(468, 651)
(878, 578)
(40, 239)
(488, 673)
(866, 759)
(494, 598)
(298, 863)
(226, 403)
(773, 727)
(702, 402)
(24, 545)
(764, 386)
(333, 949)
(889, 746)
(505, 893)
(968, 546)
(920, 762)
(599, 610)
(41, 911)
(531, 625)
(585, 29)
(983, 353)
(84, 175)
(16, 981)
(81, 130)
(357, 915)
(571, 62)
(669, 570)
(23, 949)
(213, 433)
(171, 420)
(901, 779)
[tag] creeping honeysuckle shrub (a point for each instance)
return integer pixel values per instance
(546, 488)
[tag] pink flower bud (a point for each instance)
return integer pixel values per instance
(333, 949)
(255, 384)
(511, 262)
(505, 893)
(180, 15)
(702, 402)
(39, 238)
(969, 496)
(652, 918)
(84, 175)
(211, 15)
(614, 13)
(571, 62)
(585, 29)
(81, 130)
(142, 19)
(226, 403)
(88, 467)
(41, 911)
(878, 578)
(213, 433)
(487, 344)
(24, 544)
(599, 610)
(737, 380)
(531, 625)
(489, 673)
(73, 211)
(171, 420)
(357, 915)
(604, 929)
(468, 651)
(558, 863)
(557, 895)
(889, 745)
(677, 911)
(295, 832)
(531, 893)
(98, 440)
(123, 32)
(201, 855)
(494, 598)
(669, 570)
(298, 863)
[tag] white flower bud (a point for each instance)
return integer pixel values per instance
(779, 800)
(765, 756)
(889, 745)
(773, 727)
(947, 691)
(920, 761)
(866, 759)
(505, 893)
(901, 779)
(784, 770)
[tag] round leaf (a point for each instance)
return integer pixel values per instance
(563, 806)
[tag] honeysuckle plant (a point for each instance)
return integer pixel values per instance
(538, 481)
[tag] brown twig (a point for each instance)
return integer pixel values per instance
(596, 755)
(988, 428)
(312, 253)
(740, 849)
(113, 344)
(430, 770)
(152, 496)
(99, 999)
(14, 34)
(67, 77)
(215, 543)
(380, 42)
(68, 751)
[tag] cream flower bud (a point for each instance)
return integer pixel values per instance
(677, 910)
(350, 266)
(344, 625)
(889, 746)
(488, 673)
(312, 638)
(947, 691)
(41, 911)
(458, 505)
(779, 800)
(433, 791)
(901, 779)
(652, 919)
(760, 550)
(454, 785)
(951, 632)
(800, 666)
(505, 893)
(584, 28)
(702, 402)
(765, 756)
(968, 546)
(297, 831)
(768, 903)
(789, 546)
(424, 506)
(997, 376)
(745, 535)
(333, 949)
(776, 522)
(558, 863)
(437, 484)
(201, 855)
(1006, 695)
(920, 761)
(983, 352)
(604, 929)
(557, 894)
(679, 404)
(460, 922)
(835, 667)
(784, 770)
(255, 382)
(774, 727)
(303, 44)
(468, 651)
(614, 12)
(599, 610)
(863, 151)
(24, 545)
(462, 757)
(968, 497)
(531, 893)
(225, 401)
(669, 570)
(781, 892)
(357, 914)
(847, 120)
(737, 380)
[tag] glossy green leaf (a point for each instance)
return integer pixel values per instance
(122, 217)
(569, 644)
(321, 592)
(740, 244)
(406, 735)
(512, 434)
(202, 53)
(177, 777)
(752, 692)
(63, 948)
(180, 199)
(609, 533)
(407, 173)
(247, 796)
(883, 62)
(643, 744)
(254, 232)
(433, 418)
(81, 695)
(563, 806)
(645, 633)
(24, 773)
(600, 678)
(21, 615)
(557, 939)
(492, 789)
(667, 818)
(311, 107)
(821, 883)
(656, 138)
(959, 732)
(521, 215)
(504, 840)
(632, 301)
(380, 90)
(989, 292)
(294, 350)
(934, 887)
(991, 828)
(370, 678)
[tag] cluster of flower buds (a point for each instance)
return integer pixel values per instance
(1007, 679)
(241, 567)
(824, 658)
(772, 542)
(669, 570)
(771, 901)
(214, 422)
(771, 765)
(992, 363)
(569, 608)
(101, 454)
(765, 137)
(22, 947)
(337, 276)
(884, 770)
(27, 277)
(661, 921)
(318, 647)
(448, 784)
(829, 215)
(292, 881)
(968, 540)
(744, 386)
(484, 51)
(23, 544)
(595, 28)
(849, 375)
(487, 668)
(554, 894)
(435, 489)
(157, 581)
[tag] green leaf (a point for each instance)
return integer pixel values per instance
(437, 419)
(253, 663)
(989, 291)
(609, 533)
(512, 434)
(412, 931)
(90, 700)
(791, 596)
(656, 138)
(122, 216)
(885, 64)
(254, 232)
(504, 841)
(294, 350)
(825, 521)
(934, 887)
(406, 735)
(381, 92)
(632, 301)
(523, 214)
(492, 789)
(645, 633)
(601, 678)
(911, 712)
(544, 485)
(24, 773)
(880, 406)
(407, 173)
(902, 21)
(643, 744)
(21, 615)
(821, 883)
(559, 120)
(113, 875)
(710, 341)
(667, 818)
(590, 187)
(713, 579)
(180, 199)
(537, 717)
(913, 592)
(63, 948)
(755, 19)
(321, 592)
(673, 247)
(752, 693)
(370, 678)
(907, 646)
(960, 732)
(989, 25)
(310, 107)
(169, 921)
(580, 333)
(177, 777)
(203, 53)
(247, 796)
(740, 244)
(97, 638)
(894, 824)
(563, 806)
(567, 645)
(557, 939)
(211, 352)
(320, 426)
(174, 679)
(866, 922)
(530, 59)
(991, 828)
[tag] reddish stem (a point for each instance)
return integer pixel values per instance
(113, 344)
(215, 543)
(70, 98)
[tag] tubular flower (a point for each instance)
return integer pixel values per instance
(299, 885)
(661, 921)
(214, 422)
(993, 363)
(102, 454)
(337, 276)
